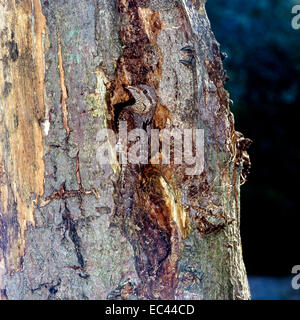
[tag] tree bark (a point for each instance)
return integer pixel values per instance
(64, 68)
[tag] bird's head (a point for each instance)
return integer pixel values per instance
(145, 98)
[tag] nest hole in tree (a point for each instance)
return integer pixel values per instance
(117, 109)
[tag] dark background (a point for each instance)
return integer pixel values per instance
(264, 68)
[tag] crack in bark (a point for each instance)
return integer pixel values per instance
(82, 271)
(62, 193)
(64, 92)
(3, 294)
(78, 176)
(50, 286)
(70, 225)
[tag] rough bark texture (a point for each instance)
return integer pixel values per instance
(63, 67)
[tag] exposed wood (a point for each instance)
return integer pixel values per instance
(22, 110)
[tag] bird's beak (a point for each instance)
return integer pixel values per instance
(133, 91)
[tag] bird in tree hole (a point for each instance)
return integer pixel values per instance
(137, 116)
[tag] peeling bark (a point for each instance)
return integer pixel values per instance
(64, 68)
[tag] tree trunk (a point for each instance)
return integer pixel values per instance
(65, 66)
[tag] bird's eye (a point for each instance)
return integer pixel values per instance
(145, 91)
